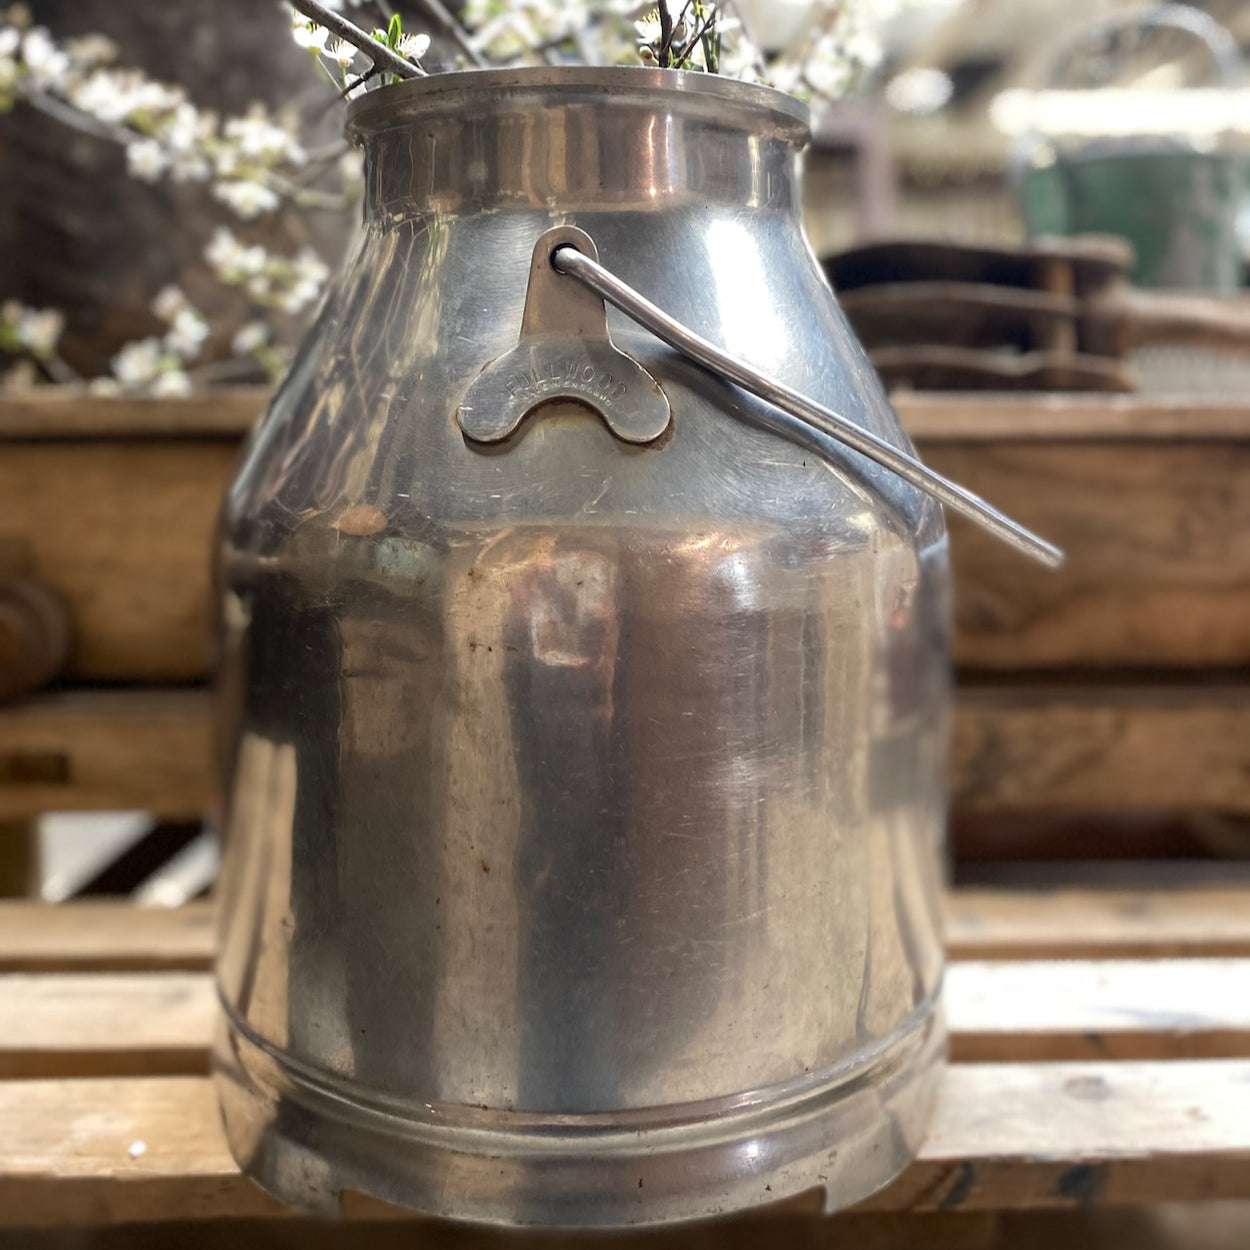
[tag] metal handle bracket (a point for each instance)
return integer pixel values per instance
(564, 352)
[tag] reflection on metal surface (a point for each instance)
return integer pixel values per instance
(584, 797)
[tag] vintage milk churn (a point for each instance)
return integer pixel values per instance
(584, 693)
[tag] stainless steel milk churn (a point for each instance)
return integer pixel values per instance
(584, 685)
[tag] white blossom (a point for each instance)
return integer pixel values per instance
(45, 62)
(138, 363)
(101, 95)
(39, 330)
(223, 250)
(414, 47)
(343, 52)
(187, 333)
(189, 167)
(10, 40)
(172, 382)
(253, 335)
(299, 297)
(89, 50)
(352, 168)
(256, 136)
(309, 267)
(169, 300)
(247, 198)
(146, 160)
(309, 35)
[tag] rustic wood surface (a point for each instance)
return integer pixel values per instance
(120, 531)
(160, 1023)
(116, 500)
(106, 750)
(60, 414)
(1106, 745)
(1181, 746)
(1206, 922)
(117, 1150)
(116, 936)
(1158, 542)
(1123, 1118)
(989, 924)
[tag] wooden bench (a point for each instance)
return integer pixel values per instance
(1100, 1047)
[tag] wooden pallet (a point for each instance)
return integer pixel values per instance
(1100, 745)
(111, 503)
(1101, 1047)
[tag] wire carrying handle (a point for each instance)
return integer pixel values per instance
(567, 259)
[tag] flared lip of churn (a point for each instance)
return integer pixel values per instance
(744, 105)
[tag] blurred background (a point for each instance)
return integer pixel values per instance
(1013, 195)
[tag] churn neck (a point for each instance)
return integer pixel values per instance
(575, 138)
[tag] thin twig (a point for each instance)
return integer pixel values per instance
(441, 17)
(694, 39)
(382, 56)
(666, 35)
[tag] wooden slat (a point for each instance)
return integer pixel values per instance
(105, 936)
(65, 414)
(981, 924)
(106, 751)
(1054, 1135)
(1157, 536)
(1184, 747)
(121, 1024)
(1004, 1136)
(1106, 746)
(115, 501)
(1094, 924)
(107, 1024)
(121, 533)
(934, 420)
(61, 413)
(1139, 1009)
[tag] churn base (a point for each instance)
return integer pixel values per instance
(307, 1137)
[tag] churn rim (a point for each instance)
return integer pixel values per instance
(440, 92)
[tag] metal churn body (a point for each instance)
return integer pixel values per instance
(582, 716)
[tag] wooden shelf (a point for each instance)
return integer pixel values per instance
(1075, 1080)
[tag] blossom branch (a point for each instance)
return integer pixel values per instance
(441, 17)
(382, 56)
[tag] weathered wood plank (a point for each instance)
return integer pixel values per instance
(121, 533)
(1004, 1136)
(105, 936)
(63, 413)
(1102, 746)
(106, 1024)
(988, 924)
(1055, 1135)
(116, 500)
(160, 1023)
(1107, 746)
(1157, 535)
(981, 924)
(106, 750)
(1121, 1009)
(935, 420)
